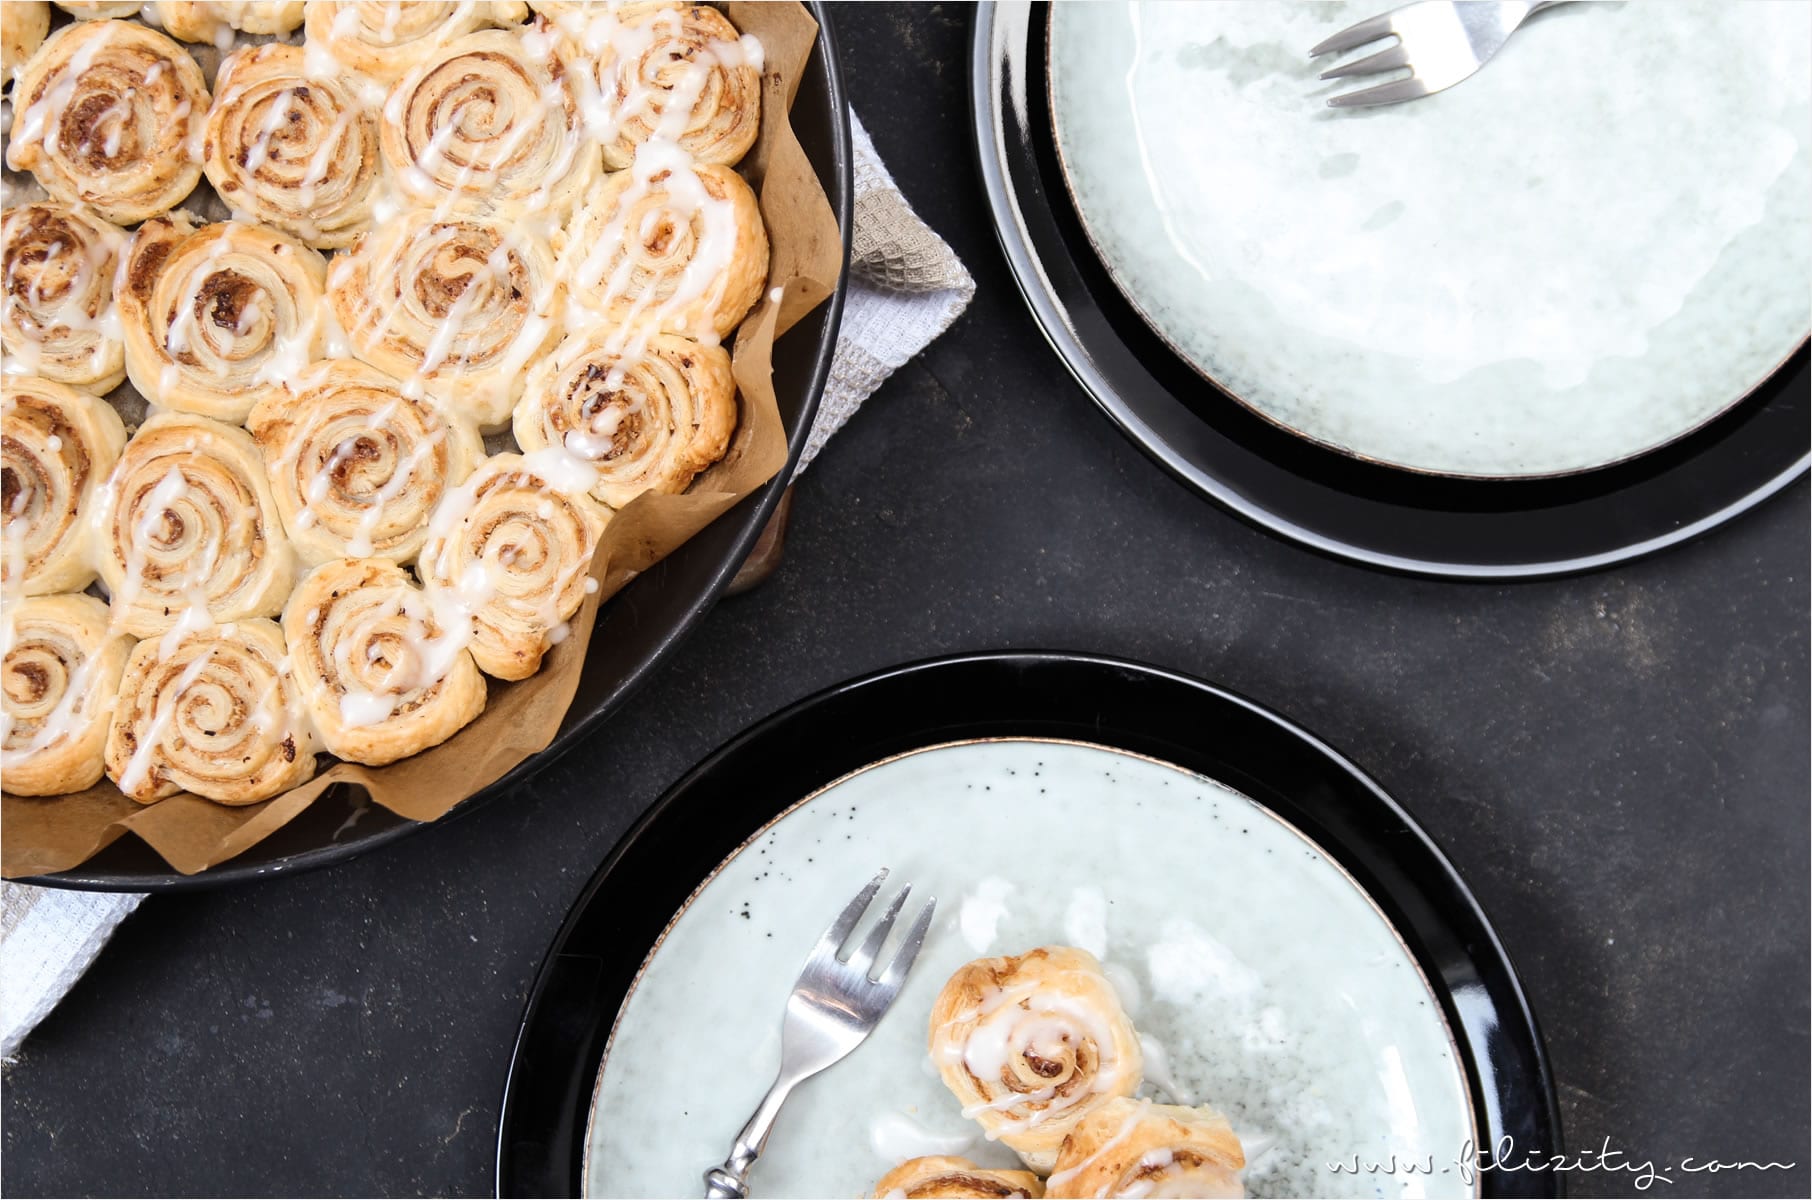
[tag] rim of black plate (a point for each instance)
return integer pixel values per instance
(1380, 516)
(1198, 726)
(751, 514)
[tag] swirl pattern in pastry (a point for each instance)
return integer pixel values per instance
(1137, 1148)
(60, 676)
(511, 551)
(648, 417)
(1031, 1044)
(382, 674)
(385, 39)
(186, 531)
(668, 246)
(458, 307)
(56, 313)
(214, 713)
(220, 318)
(944, 1177)
(109, 114)
(490, 123)
(682, 74)
(57, 446)
(356, 466)
(293, 150)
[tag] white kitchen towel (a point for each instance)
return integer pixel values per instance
(905, 288)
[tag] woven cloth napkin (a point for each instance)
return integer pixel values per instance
(905, 288)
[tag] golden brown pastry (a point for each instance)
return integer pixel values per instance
(490, 123)
(647, 417)
(109, 114)
(99, 10)
(386, 38)
(58, 448)
(1031, 1044)
(512, 548)
(356, 466)
(383, 675)
(667, 246)
(219, 318)
(60, 676)
(21, 33)
(939, 1177)
(1137, 1148)
(215, 20)
(682, 74)
(56, 315)
(186, 532)
(213, 712)
(461, 306)
(291, 149)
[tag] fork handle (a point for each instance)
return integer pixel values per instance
(731, 1180)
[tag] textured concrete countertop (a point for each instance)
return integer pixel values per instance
(1616, 763)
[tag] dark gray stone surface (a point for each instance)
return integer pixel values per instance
(1617, 763)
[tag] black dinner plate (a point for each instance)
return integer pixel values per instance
(639, 626)
(1333, 502)
(726, 798)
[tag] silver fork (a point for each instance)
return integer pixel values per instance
(1440, 41)
(834, 1006)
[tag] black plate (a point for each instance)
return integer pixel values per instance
(1464, 528)
(739, 788)
(636, 630)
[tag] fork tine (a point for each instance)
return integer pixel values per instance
(895, 974)
(1372, 64)
(1385, 93)
(839, 930)
(864, 957)
(1369, 30)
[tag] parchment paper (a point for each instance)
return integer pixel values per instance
(41, 836)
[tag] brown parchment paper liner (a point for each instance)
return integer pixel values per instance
(41, 836)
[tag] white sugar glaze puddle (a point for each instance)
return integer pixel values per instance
(1274, 988)
(1587, 250)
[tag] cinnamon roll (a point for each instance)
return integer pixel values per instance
(60, 676)
(681, 74)
(59, 446)
(186, 531)
(215, 20)
(56, 314)
(27, 21)
(647, 417)
(219, 318)
(1032, 1044)
(386, 38)
(490, 123)
(356, 466)
(294, 150)
(458, 307)
(214, 713)
(511, 551)
(382, 674)
(940, 1177)
(591, 23)
(109, 114)
(1137, 1148)
(668, 246)
(99, 10)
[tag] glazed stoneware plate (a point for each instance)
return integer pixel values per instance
(1292, 950)
(1590, 249)
(1260, 978)
(1470, 527)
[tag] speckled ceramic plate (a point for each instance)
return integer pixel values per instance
(1590, 249)
(1260, 977)
(1298, 952)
